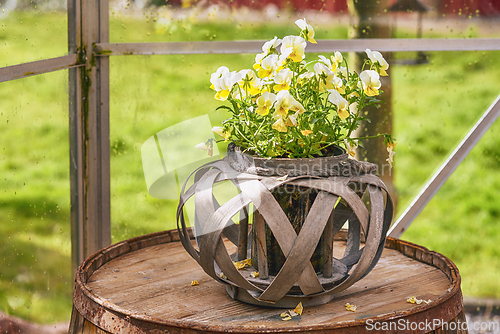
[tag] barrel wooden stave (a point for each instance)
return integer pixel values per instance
(163, 301)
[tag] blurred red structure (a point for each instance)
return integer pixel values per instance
(332, 6)
(469, 7)
(465, 8)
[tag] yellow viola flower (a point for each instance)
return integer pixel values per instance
(340, 102)
(309, 31)
(351, 149)
(292, 119)
(220, 131)
(249, 82)
(285, 102)
(265, 103)
(376, 57)
(283, 79)
(306, 132)
(390, 150)
(280, 125)
(293, 47)
(258, 61)
(370, 81)
(268, 66)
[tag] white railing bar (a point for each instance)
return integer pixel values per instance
(38, 67)
(357, 45)
(446, 169)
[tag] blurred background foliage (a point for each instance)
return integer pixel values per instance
(434, 103)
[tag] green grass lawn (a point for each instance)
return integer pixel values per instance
(434, 106)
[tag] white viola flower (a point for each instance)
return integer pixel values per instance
(262, 84)
(327, 79)
(258, 60)
(282, 80)
(205, 147)
(309, 31)
(371, 82)
(292, 119)
(265, 103)
(304, 77)
(337, 58)
(328, 63)
(376, 57)
(218, 74)
(325, 76)
(218, 130)
(337, 84)
(353, 108)
(340, 102)
(268, 66)
(293, 47)
(321, 68)
(343, 71)
(224, 85)
(285, 102)
(274, 43)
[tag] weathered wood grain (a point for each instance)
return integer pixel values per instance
(149, 291)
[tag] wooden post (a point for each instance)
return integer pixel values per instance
(328, 248)
(88, 23)
(243, 234)
(261, 247)
(374, 23)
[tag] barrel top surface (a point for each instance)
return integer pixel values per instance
(152, 286)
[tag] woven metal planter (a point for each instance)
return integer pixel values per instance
(287, 214)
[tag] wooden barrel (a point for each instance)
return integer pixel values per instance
(143, 285)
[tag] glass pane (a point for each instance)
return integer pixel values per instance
(35, 263)
(136, 21)
(32, 30)
(435, 105)
(167, 90)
